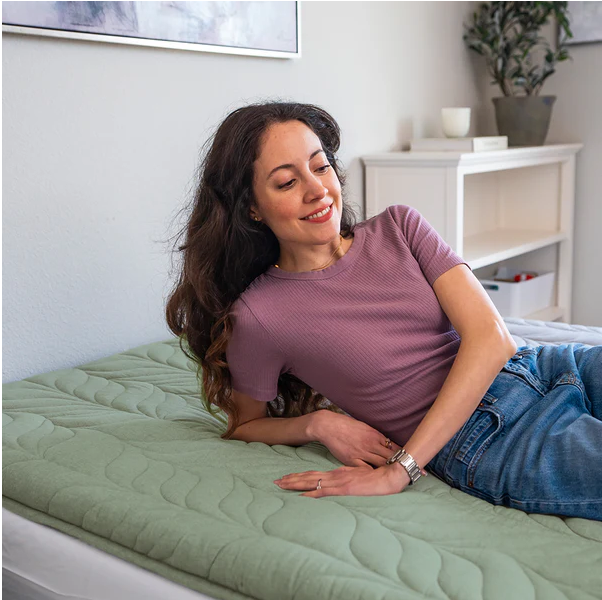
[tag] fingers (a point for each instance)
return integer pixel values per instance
(308, 480)
(380, 460)
(388, 444)
(332, 491)
(358, 462)
(288, 483)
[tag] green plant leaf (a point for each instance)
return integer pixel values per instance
(507, 35)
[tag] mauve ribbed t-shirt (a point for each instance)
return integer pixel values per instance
(367, 332)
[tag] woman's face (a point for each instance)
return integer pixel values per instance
(292, 179)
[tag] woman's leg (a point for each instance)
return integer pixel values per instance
(534, 444)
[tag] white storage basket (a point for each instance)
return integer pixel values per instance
(520, 299)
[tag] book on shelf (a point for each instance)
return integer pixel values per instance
(467, 144)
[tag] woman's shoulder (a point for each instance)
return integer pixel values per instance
(253, 296)
(388, 220)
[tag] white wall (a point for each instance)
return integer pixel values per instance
(101, 143)
(577, 85)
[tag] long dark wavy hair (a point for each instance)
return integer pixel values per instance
(224, 250)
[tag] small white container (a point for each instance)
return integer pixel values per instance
(520, 299)
(455, 121)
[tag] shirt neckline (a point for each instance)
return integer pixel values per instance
(347, 259)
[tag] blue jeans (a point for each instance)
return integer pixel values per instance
(534, 443)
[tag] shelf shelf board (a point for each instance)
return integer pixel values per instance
(551, 313)
(477, 162)
(494, 246)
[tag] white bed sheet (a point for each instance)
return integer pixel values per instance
(533, 333)
(41, 563)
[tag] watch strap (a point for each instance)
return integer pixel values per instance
(408, 463)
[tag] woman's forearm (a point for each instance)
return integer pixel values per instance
(476, 365)
(289, 431)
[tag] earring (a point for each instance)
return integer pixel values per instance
(256, 218)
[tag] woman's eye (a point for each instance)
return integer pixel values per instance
(288, 184)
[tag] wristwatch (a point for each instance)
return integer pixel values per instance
(408, 463)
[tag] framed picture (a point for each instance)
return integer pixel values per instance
(270, 29)
(585, 20)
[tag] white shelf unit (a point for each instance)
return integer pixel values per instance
(511, 206)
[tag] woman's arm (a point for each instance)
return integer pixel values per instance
(477, 364)
(485, 347)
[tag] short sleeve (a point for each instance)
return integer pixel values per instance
(255, 362)
(434, 255)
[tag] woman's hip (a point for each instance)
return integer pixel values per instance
(530, 442)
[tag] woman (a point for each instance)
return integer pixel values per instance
(381, 317)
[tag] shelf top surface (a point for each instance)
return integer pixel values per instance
(503, 240)
(529, 154)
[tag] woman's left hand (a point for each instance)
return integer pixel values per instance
(348, 481)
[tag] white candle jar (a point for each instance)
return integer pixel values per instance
(455, 121)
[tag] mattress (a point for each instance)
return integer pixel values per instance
(41, 563)
(119, 460)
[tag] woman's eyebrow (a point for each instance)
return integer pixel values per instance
(289, 166)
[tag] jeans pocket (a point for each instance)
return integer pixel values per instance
(476, 440)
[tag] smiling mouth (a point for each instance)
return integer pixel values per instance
(322, 215)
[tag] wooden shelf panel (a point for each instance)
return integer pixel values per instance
(477, 162)
(464, 194)
(494, 246)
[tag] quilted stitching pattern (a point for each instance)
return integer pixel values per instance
(528, 332)
(123, 448)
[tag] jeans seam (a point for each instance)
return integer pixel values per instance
(546, 502)
(575, 382)
(478, 430)
(472, 466)
(453, 450)
(525, 375)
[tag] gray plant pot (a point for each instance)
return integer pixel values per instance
(525, 120)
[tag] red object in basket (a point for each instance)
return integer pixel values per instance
(524, 276)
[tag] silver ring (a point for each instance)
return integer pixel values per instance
(319, 485)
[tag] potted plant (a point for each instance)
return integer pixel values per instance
(520, 60)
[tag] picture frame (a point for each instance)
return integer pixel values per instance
(586, 22)
(266, 29)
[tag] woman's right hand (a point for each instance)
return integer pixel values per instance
(352, 442)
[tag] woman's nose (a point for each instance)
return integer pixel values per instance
(317, 188)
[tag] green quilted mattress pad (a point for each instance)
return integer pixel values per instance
(121, 454)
